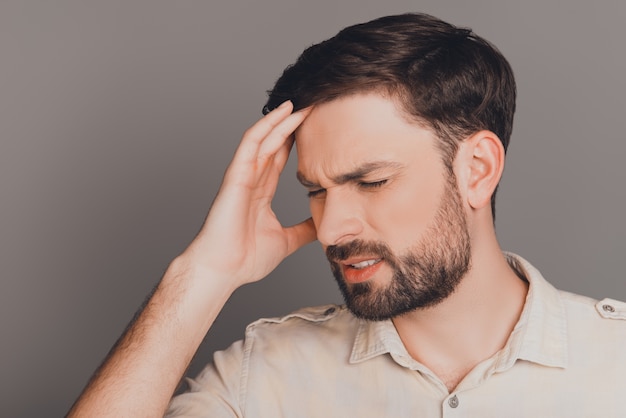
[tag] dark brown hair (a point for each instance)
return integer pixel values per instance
(446, 78)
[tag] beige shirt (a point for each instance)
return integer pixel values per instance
(566, 357)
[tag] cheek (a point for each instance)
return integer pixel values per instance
(405, 210)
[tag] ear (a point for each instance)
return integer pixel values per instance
(486, 164)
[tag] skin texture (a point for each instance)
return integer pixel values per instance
(241, 241)
(399, 206)
(335, 143)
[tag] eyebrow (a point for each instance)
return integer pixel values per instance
(356, 174)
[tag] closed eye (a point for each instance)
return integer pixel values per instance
(315, 193)
(372, 184)
(368, 185)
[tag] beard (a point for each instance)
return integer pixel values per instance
(424, 276)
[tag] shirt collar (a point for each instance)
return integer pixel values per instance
(375, 338)
(540, 335)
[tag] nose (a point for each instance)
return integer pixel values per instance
(338, 218)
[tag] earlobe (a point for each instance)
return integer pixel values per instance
(486, 167)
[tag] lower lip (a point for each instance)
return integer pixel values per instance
(353, 276)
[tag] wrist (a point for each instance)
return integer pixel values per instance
(198, 291)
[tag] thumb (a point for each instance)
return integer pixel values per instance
(299, 235)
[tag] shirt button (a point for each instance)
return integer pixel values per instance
(453, 402)
(608, 308)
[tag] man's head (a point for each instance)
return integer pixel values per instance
(406, 110)
(445, 78)
(386, 209)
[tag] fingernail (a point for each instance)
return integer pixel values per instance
(284, 104)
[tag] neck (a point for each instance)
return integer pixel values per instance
(472, 324)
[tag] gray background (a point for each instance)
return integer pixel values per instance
(118, 118)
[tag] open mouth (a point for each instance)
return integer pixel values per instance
(360, 270)
(363, 264)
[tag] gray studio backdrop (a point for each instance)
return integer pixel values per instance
(118, 118)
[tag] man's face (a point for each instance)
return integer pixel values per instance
(387, 211)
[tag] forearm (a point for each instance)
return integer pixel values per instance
(144, 368)
(240, 242)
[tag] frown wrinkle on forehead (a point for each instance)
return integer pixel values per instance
(358, 173)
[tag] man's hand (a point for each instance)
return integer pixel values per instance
(240, 242)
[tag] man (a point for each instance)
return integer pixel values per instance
(401, 127)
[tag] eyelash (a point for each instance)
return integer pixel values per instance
(363, 185)
(315, 193)
(373, 184)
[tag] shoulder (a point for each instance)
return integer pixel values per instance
(324, 333)
(604, 309)
(302, 348)
(309, 314)
(311, 321)
(300, 351)
(595, 320)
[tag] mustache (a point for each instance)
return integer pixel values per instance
(338, 253)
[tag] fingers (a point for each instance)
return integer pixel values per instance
(281, 132)
(299, 235)
(263, 126)
(267, 135)
(282, 155)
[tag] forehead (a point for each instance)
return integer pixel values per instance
(354, 130)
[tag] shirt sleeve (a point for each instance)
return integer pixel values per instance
(215, 392)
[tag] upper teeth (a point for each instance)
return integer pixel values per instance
(364, 264)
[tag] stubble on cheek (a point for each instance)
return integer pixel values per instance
(424, 276)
